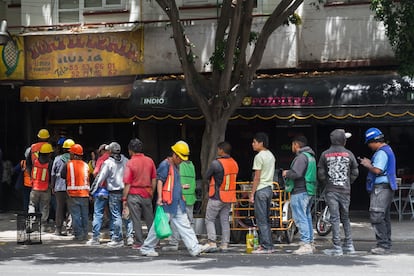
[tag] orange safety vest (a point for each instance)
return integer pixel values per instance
(227, 190)
(40, 176)
(34, 149)
(77, 178)
(168, 187)
(27, 182)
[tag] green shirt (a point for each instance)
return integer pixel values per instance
(264, 161)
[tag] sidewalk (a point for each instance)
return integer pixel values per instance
(361, 229)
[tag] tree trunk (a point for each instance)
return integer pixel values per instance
(214, 133)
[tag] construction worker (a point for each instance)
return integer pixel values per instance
(40, 176)
(43, 137)
(170, 196)
(59, 185)
(222, 174)
(76, 173)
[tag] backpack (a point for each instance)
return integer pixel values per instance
(310, 177)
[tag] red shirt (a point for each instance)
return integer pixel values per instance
(139, 172)
(100, 162)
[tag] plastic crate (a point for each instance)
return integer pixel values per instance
(29, 228)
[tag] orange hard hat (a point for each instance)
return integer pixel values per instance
(76, 149)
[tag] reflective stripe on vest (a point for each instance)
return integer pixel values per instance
(168, 187)
(227, 190)
(40, 176)
(77, 178)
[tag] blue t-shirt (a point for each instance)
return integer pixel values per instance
(380, 160)
(177, 198)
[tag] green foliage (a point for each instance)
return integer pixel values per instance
(294, 19)
(398, 19)
(218, 56)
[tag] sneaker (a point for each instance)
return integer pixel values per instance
(202, 249)
(334, 251)
(130, 241)
(212, 247)
(262, 250)
(380, 251)
(150, 253)
(348, 249)
(304, 249)
(170, 247)
(59, 233)
(136, 246)
(93, 241)
(115, 244)
(224, 247)
(313, 247)
(80, 238)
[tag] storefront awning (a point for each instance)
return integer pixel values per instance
(336, 97)
(74, 93)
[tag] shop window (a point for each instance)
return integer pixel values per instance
(201, 2)
(345, 2)
(72, 11)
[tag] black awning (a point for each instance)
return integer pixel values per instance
(327, 97)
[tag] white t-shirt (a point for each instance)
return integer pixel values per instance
(264, 161)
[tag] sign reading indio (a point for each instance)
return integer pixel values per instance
(83, 55)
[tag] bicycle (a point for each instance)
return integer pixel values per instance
(322, 215)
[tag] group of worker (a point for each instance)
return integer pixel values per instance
(129, 185)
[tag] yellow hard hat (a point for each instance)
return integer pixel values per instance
(46, 148)
(43, 134)
(182, 149)
(68, 143)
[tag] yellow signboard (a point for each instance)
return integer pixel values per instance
(84, 55)
(12, 60)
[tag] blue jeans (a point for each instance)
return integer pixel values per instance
(301, 211)
(98, 212)
(379, 212)
(182, 225)
(79, 210)
(115, 208)
(262, 200)
(338, 204)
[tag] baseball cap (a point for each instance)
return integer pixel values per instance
(114, 147)
(102, 147)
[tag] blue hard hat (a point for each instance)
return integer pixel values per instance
(373, 134)
(61, 141)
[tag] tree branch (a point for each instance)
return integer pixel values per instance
(276, 19)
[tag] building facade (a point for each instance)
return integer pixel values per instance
(82, 68)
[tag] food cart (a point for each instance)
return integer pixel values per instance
(242, 214)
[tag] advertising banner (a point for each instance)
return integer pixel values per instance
(12, 59)
(84, 55)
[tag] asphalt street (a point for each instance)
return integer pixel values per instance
(62, 256)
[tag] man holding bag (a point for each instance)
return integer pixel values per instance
(170, 197)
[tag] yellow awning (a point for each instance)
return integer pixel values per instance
(74, 93)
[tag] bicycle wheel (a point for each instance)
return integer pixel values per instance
(323, 226)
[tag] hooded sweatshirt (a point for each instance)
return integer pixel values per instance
(337, 167)
(298, 169)
(112, 171)
(59, 183)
